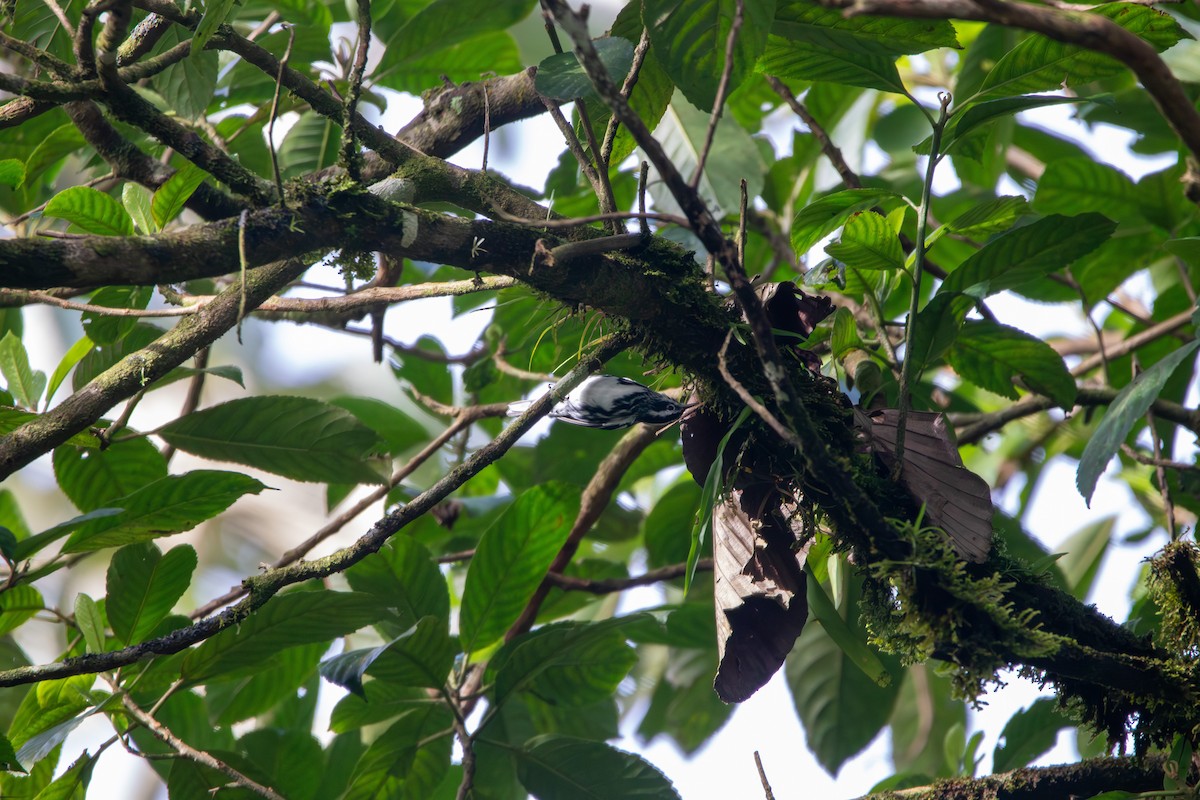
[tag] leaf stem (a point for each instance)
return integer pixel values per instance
(906, 374)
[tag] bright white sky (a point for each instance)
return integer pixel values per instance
(767, 722)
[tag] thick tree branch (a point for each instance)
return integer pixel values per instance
(1085, 779)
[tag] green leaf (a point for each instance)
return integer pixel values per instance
(27, 547)
(1187, 248)
(215, 13)
(690, 38)
(136, 200)
(651, 94)
(990, 355)
(804, 21)
(849, 639)
(566, 663)
(188, 86)
(143, 585)
(421, 656)
(733, 157)
(675, 511)
(285, 621)
(1083, 552)
(8, 757)
(511, 559)
(90, 623)
(271, 686)
(293, 760)
(1038, 63)
(491, 52)
(81, 348)
(841, 707)
(1129, 406)
(92, 210)
(1075, 185)
(398, 431)
(563, 78)
(171, 197)
(1028, 734)
(444, 23)
(562, 766)
(60, 143)
(822, 61)
(408, 760)
(169, 505)
(12, 172)
(868, 242)
(107, 329)
(17, 604)
(92, 478)
(404, 578)
(296, 437)
(991, 216)
(1029, 252)
(822, 217)
(23, 383)
(103, 357)
(72, 783)
(311, 144)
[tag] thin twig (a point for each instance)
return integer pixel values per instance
(192, 400)
(635, 69)
(164, 735)
(762, 776)
(287, 53)
(350, 155)
(570, 583)
(575, 222)
(722, 90)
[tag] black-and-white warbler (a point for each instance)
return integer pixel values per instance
(609, 402)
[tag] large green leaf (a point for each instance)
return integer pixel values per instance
(270, 686)
(562, 766)
(421, 656)
(408, 760)
(674, 512)
(398, 430)
(169, 505)
(293, 760)
(511, 560)
(188, 86)
(566, 663)
(1075, 185)
(822, 61)
(295, 437)
(842, 708)
(105, 329)
(92, 210)
(868, 242)
(1029, 252)
(1039, 63)
(18, 604)
(404, 578)
(806, 21)
(143, 585)
(733, 157)
(92, 478)
(23, 383)
(285, 621)
(1028, 734)
(822, 217)
(445, 23)
(563, 78)
(990, 355)
(170, 198)
(1129, 406)
(467, 61)
(690, 37)
(309, 145)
